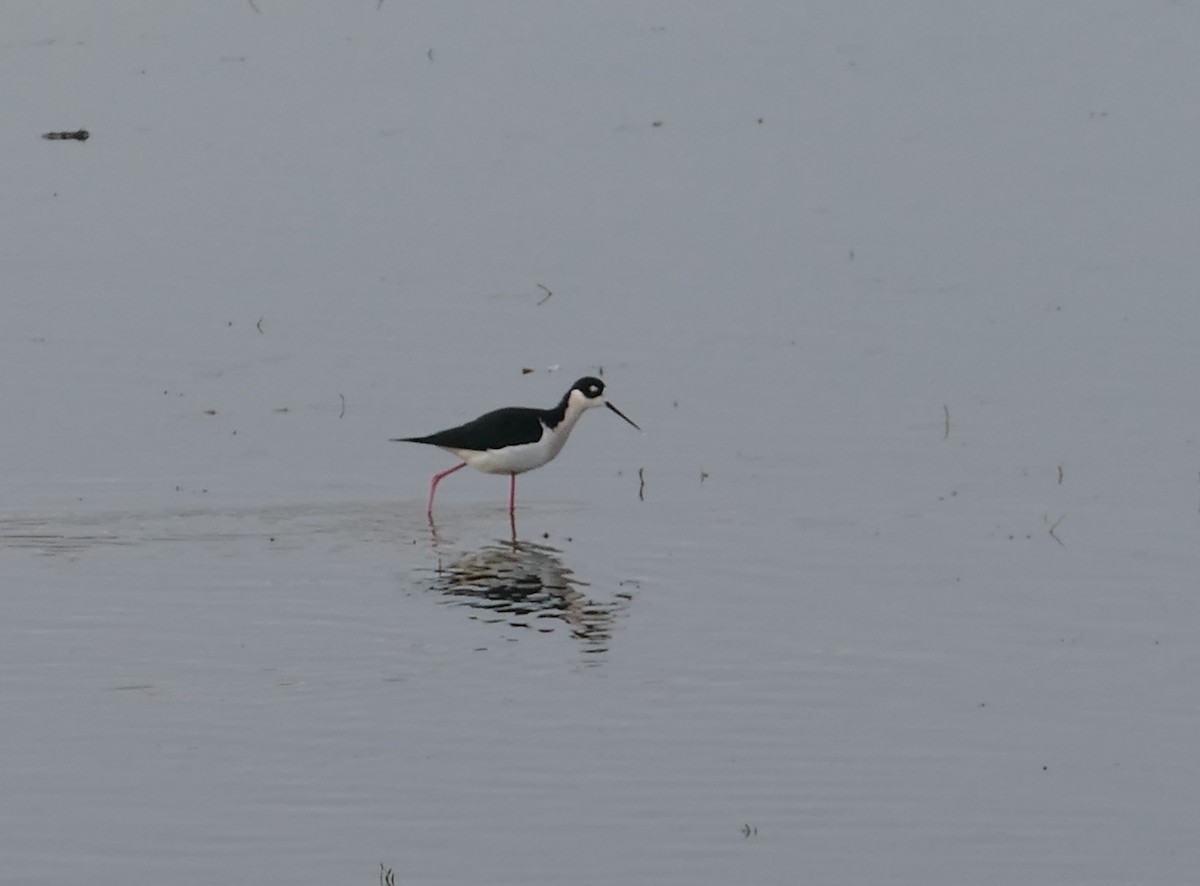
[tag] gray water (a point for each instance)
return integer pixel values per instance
(903, 296)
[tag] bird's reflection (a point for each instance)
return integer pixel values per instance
(526, 585)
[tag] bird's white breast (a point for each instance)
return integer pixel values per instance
(517, 459)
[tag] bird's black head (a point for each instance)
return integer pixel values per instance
(591, 394)
(589, 386)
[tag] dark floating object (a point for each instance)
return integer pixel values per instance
(79, 135)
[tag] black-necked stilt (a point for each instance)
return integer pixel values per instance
(515, 439)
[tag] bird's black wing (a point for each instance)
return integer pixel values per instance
(510, 426)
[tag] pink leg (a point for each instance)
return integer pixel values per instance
(512, 494)
(437, 478)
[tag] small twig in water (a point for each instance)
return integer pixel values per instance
(946, 434)
(546, 297)
(641, 484)
(1060, 475)
(1055, 526)
(254, 6)
(342, 414)
(258, 325)
(79, 135)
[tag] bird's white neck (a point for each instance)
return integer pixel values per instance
(577, 405)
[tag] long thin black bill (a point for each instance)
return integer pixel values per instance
(620, 413)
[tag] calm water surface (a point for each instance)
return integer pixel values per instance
(892, 298)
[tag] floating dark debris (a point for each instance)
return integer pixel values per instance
(79, 135)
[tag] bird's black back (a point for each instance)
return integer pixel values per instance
(510, 426)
